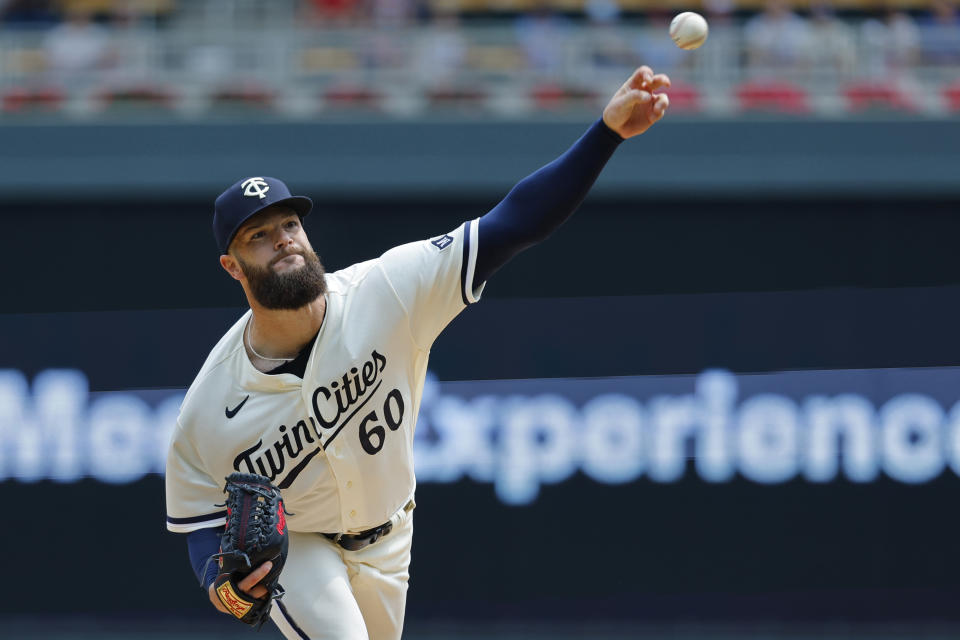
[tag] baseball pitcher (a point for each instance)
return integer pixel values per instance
(311, 397)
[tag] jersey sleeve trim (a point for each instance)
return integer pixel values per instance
(469, 265)
(186, 525)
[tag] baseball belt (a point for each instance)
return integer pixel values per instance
(358, 541)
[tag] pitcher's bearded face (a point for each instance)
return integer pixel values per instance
(284, 284)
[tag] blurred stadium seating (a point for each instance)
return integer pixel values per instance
(491, 57)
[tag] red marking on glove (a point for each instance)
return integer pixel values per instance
(282, 522)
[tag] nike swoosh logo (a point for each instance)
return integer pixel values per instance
(232, 412)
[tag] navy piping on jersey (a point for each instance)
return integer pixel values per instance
(293, 625)
(533, 209)
(542, 201)
(195, 519)
(465, 263)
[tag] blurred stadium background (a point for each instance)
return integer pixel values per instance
(489, 58)
(720, 403)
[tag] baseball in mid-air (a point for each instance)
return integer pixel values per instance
(688, 30)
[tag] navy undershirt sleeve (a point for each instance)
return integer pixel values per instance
(532, 210)
(542, 201)
(201, 544)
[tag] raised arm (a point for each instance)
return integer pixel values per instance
(542, 201)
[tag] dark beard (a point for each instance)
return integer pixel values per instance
(289, 290)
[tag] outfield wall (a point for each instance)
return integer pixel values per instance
(446, 157)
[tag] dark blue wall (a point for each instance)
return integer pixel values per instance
(447, 158)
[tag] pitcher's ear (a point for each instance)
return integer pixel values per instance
(231, 266)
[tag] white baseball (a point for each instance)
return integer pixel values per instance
(688, 30)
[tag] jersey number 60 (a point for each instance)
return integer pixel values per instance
(372, 434)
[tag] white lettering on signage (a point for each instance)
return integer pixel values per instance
(54, 428)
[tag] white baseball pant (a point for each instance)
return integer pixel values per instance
(335, 594)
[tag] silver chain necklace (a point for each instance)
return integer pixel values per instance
(254, 351)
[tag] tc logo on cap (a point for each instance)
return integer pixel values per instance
(255, 187)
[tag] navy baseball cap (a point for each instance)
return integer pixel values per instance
(247, 198)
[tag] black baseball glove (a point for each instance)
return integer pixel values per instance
(256, 531)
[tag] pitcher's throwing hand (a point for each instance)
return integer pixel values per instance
(636, 106)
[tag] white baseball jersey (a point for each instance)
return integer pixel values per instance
(339, 442)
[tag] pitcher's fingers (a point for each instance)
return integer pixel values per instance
(255, 576)
(258, 592)
(640, 77)
(661, 104)
(637, 96)
(659, 81)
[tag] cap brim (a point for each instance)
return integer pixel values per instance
(301, 204)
